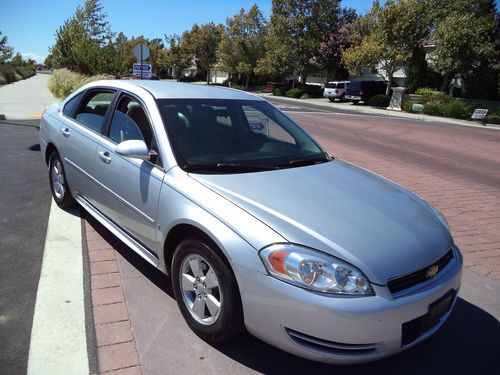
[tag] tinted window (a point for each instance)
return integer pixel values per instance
(93, 109)
(130, 122)
(217, 133)
(356, 85)
(71, 106)
(331, 85)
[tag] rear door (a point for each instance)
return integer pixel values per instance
(81, 124)
(130, 188)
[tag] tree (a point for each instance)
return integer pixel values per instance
(242, 43)
(298, 27)
(461, 43)
(177, 55)
(17, 60)
(202, 42)
(416, 75)
(83, 41)
(5, 49)
(330, 52)
(386, 37)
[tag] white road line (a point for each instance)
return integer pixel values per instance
(58, 340)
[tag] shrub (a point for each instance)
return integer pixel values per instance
(433, 109)
(63, 81)
(294, 93)
(493, 119)
(26, 71)
(408, 106)
(458, 109)
(433, 96)
(379, 101)
(8, 73)
(279, 91)
(305, 96)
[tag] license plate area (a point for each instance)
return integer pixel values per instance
(413, 329)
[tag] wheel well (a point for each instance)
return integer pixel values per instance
(50, 148)
(181, 232)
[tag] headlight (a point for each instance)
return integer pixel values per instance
(314, 270)
(441, 217)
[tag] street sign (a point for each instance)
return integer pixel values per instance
(141, 52)
(479, 114)
(142, 70)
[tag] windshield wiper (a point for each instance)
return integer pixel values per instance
(225, 167)
(304, 162)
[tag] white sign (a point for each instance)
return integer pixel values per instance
(479, 114)
(141, 52)
(142, 70)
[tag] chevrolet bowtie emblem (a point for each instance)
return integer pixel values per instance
(432, 271)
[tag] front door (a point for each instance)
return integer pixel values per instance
(131, 187)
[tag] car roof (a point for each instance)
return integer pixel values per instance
(177, 90)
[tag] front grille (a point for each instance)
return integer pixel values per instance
(331, 347)
(401, 283)
(415, 328)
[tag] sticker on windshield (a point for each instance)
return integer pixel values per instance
(259, 126)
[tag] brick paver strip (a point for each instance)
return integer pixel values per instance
(116, 349)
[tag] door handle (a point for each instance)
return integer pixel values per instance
(104, 156)
(65, 132)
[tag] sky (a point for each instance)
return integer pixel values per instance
(30, 25)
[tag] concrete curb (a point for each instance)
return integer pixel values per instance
(324, 103)
(116, 348)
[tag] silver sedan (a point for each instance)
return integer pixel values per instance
(258, 227)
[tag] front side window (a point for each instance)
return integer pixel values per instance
(93, 109)
(235, 136)
(71, 106)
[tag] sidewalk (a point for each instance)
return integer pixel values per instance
(322, 103)
(26, 99)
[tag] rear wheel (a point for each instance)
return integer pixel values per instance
(58, 183)
(355, 102)
(342, 97)
(206, 291)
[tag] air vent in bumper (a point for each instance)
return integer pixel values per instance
(333, 348)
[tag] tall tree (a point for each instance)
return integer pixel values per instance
(177, 55)
(81, 39)
(5, 49)
(386, 37)
(330, 51)
(202, 42)
(298, 27)
(242, 43)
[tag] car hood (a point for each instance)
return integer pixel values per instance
(343, 210)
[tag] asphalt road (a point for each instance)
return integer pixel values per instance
(24, 211)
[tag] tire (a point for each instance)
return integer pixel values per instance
(331, 99)
(58, 183)
(355, 102)
(195, 262)
(342, 97)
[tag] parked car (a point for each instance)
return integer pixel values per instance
(258, 227)
(363, 90)
(335, 90)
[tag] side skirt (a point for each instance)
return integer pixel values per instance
(118, 232)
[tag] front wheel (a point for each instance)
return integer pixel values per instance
(58, 183)
(206, 291)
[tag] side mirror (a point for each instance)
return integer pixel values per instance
(133, 148)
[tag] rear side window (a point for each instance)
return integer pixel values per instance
(71, 106)
(93, 109)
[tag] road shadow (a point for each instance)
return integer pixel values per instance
(468, 343)
(35, 147)
(23, 123)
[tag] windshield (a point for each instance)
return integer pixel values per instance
(235, 136)
(331, 85)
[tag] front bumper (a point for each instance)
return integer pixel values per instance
(331, 95)
(353, 97)
(335, 329)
